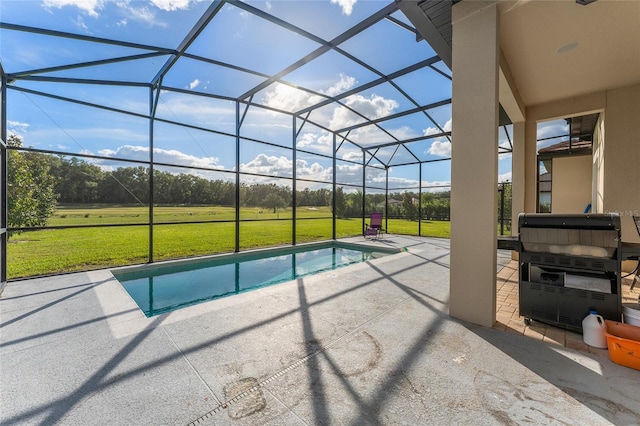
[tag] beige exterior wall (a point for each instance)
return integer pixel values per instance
(616, 159)
(571, 184)
(621, 183)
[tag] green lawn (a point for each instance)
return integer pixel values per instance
(131, 215)
(66, 250)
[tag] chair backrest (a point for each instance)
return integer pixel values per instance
(636, 220)
(376, 219)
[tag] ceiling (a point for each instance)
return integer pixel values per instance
(605, 33)
(554, 49)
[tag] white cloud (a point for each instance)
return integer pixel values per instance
(440, 148)
(349, 173)
(351, 155)
(373, 107)
(548, 129)
(369, 135)
(286, 98)
(90, 7)
(504, 156)
(55, 138)
(140, 14)
(322, 142)
(395, 181)
(17, 127)
(80, 24)
(283, 167)
(314, 171)
(436, 186)
(269, 165)
(505, 177)
(434, 130)
(171, 156)
(200, 111)
(552, 128)
(195, 83)
(134, 11)
(404, 132)
(345, 83)
(504, 144)
(171, 5)
(345, 5)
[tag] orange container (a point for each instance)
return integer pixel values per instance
(623, 341)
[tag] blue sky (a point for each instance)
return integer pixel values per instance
(243, 40)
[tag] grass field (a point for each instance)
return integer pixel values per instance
(66, 250)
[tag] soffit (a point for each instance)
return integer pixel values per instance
(607, 54)
(606, 34)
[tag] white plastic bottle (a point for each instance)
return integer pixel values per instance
(594, 330)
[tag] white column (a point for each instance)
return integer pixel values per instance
(474, 164)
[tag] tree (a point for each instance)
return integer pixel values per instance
(77, 181)
(436, 205)
(409, 209)
(340, 207)
(504, 193)
(354, 204)
(125, 185)
(31, 198)
(273, 201)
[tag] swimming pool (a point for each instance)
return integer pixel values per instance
(161, 288)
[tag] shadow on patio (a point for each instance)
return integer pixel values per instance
(368, 344)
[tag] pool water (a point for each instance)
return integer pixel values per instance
(164, 288)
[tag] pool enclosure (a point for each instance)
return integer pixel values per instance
(301, 113)
(218, 127)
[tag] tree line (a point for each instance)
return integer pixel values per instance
(38, 182)
(80, 182)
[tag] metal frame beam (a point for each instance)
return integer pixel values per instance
(208, 15)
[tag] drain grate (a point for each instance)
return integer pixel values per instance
(260, 385)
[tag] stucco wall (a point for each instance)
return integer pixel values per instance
(571, 184)
(622, 157)
(617, 176)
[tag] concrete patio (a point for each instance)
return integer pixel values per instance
(367, 344)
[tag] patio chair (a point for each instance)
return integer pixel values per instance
(374, 227)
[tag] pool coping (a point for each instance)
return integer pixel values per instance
(115, 294)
